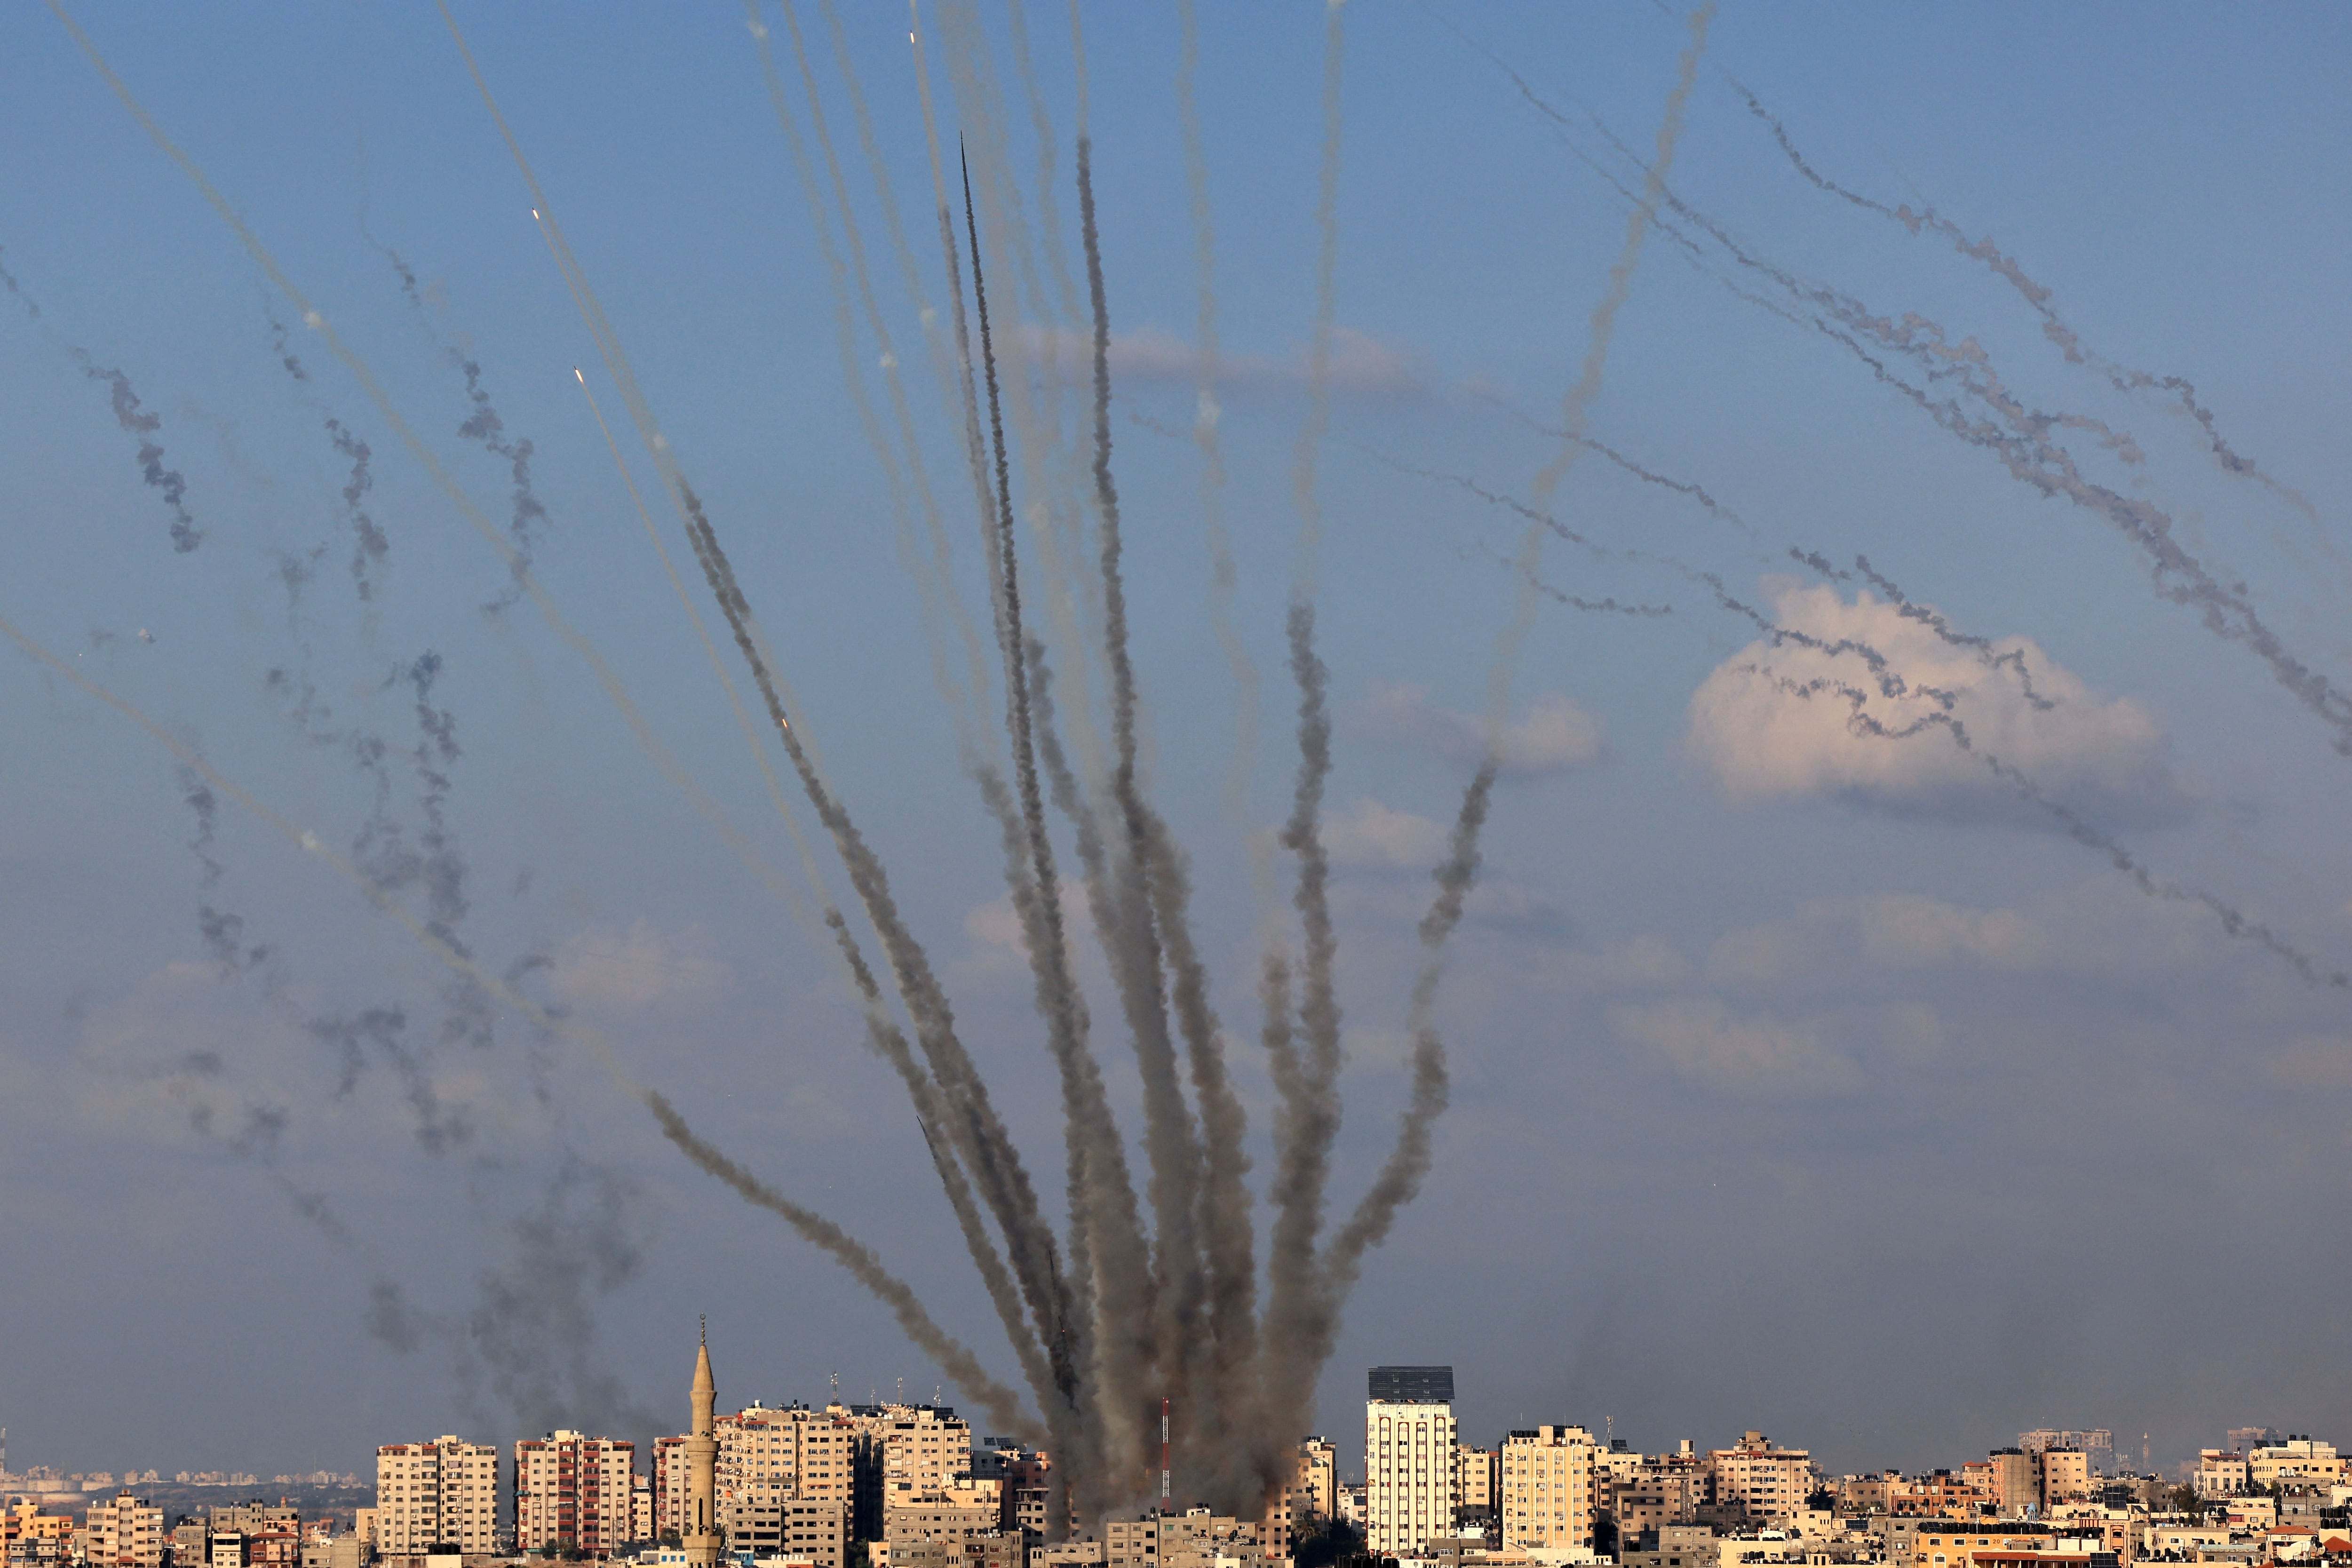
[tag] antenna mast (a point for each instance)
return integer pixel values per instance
(1163, 1453)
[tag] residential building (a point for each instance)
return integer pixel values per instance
(2097, 1444)
(816, 1529)
(903, 1452)
(572, 1491)
(2016, 1482)
(1757, 1480)
(2066, 1476)
(124, 1532)
(1193, 1539)
(1672, 1546)
(431, 1494)
(1409, 1446)
(1544, 1494)
(2221, 1472)
(1478, 1480)
(641, 1509)
(2295, 1461)
(1316, 1488)
(792, 1452)
(1663, 1489)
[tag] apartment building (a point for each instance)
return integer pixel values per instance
(667, 1482)
(812, 1528)
(1760, 1481)
(444, 1492)
(1315, 1489)
(1664, 1489)
(1546, 1493)
(1193, 1539)
(903, 1452)
(124, 1532)
(2297, 1462)
(572, 1491)
(790, 1452)
(1409, 1446)
(1478, 1480)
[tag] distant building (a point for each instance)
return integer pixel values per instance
(574, 1491)
(1408, 1444)
(2220, 1473)
(444, 1492)
(814, 1528)
(2295, 1461)
(1546, 1497)
(1315, 1489)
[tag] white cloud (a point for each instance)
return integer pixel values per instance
(997, 939)
(1556, 735)
(1371, 834)
(1761, 739)
(636, 968)
(1704, 1044)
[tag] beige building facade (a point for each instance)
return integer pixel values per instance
(123, 1532)
(1768, 1483)
(1408, 1475)
(1545, 1493)
(444, 1492)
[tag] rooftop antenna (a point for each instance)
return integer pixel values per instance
(836, 1378)
(1163, 1453)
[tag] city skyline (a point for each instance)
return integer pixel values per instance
(1619, 697)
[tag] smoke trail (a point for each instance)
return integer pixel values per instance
(1224, 576)
(2013, 660)
(1001, 1176)
(1001, 1406)
(8, 282)
(141, 426)
(935, 588)
(1300, 1312)
(1127, 1316)
(221, 931)
(1057, 992)
(533, 1320)
(2020, 438)
(1307, 453)
(1574, 405)
(1400, 1176)
(2037, 296)
(370, 547)
(2234, 921)
(1638, 470)
(529, 516)
(746, 853)
(1228, 1246)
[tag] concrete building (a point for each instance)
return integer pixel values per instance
(1546, 1491)
(1478, 1480)
(2295, 1461)
(903, 1452)
(2096, 1443)
(1316, 1488)
(2016, 1482)
(793, 1452)
(812, 1528)
(1755, 1479)
(1408, 1444)
(698, 1539)
(2221, 1472)
(1193, 1539)
(572, 1491)
(1664, 1490)
(444, 1492)
(124, 1532)
(2066, 1476)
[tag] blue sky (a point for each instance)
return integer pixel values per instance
(1804, 1080)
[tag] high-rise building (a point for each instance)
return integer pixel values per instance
(444, 1492)
(793, 1452)
(573, 1491)
(1409, 1442)
(699, 1539)
(1547, 1492)
(905, 1452)
(1315, 1489)
(1477, 1475)
(124, 1532)
(1757, 1480)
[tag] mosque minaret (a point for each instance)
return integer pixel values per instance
(700, 1537)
